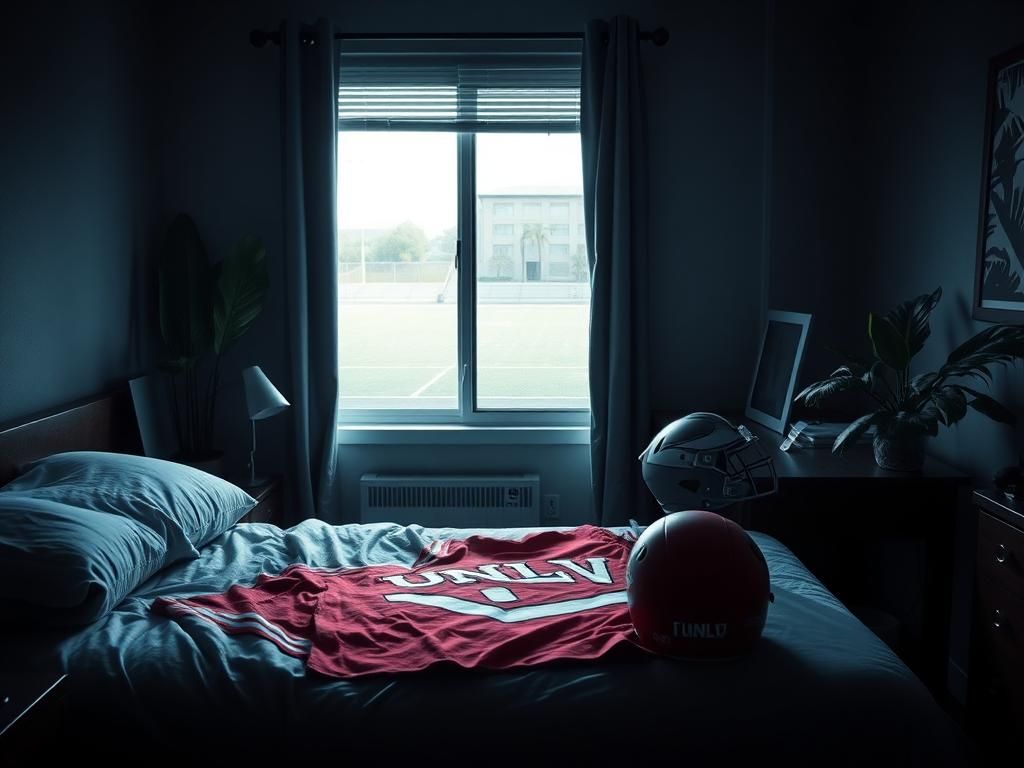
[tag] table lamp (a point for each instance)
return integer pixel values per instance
(263, 400)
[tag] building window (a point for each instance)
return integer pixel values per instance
(443, 314)
(559, 269)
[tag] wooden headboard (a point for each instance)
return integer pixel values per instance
(105, 423)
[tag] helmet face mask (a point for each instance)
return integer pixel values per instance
(703, 461)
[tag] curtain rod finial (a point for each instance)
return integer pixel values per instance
(659, 36)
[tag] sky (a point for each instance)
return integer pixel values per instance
(385, 178)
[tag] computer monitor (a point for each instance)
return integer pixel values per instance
(778, 365)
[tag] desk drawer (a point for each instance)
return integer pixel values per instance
(998, 676)
(1001, 553)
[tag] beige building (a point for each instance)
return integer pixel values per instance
(534, 234)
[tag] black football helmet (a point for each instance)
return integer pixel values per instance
(703, 461)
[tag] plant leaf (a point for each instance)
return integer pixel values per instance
(856, 364)
(927, 419)
(996, 345)
(990, 407)
(857, 428)
(911, 319)
(888, 342)
(951, 403)
(241, 292)
(185, 292)
(821, 390)
(923, 382)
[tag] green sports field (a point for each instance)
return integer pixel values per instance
(404, 355)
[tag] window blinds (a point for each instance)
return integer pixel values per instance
(459, 91)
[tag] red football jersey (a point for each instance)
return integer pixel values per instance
(476, 602)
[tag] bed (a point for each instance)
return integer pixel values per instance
(819, 689)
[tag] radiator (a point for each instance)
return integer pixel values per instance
(456, 501)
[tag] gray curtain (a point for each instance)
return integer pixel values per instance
(309, 152)
(613, 135)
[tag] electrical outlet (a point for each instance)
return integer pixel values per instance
(550, 510)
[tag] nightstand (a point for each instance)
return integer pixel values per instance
(31, 714)
(270, 502)
(996, 692)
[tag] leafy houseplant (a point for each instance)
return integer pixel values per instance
(204, 309)
(909, 409)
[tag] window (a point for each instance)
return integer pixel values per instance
(559, 211)
(444, 313)
(397, 331)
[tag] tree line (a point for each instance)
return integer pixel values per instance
(405, 242)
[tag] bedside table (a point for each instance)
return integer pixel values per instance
(996, 688)
(270, 502)
(31, 714)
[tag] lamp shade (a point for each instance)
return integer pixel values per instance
(261, 397)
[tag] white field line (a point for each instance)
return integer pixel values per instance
(426, 386)
(482, 367)
(387, 367)
(452, 397)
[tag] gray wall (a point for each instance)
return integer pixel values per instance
(922, 158)
(877, 126)
(220, 161)
(73, 203)
(813, 187)
(877, 118)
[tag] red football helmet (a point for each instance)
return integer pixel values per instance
(697, 586)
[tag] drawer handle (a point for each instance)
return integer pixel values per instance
(1001, 553)
(997, 619)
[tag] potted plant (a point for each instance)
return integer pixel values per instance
(907, 410)
(204, 308)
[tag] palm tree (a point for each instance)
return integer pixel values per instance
(536, 233)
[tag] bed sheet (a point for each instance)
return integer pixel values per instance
(819, 689)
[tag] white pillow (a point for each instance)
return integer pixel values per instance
(62, 565)
(186, 506)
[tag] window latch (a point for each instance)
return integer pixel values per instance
(458, 253)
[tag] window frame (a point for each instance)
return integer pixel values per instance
(466, 414)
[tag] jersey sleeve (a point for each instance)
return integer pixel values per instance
(277, 608)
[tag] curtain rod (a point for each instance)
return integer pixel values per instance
(259, 37)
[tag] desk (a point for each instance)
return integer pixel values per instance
(874, 537)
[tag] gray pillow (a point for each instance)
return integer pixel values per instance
(186, 506)
(62, 565)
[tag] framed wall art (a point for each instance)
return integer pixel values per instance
(999, 265)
